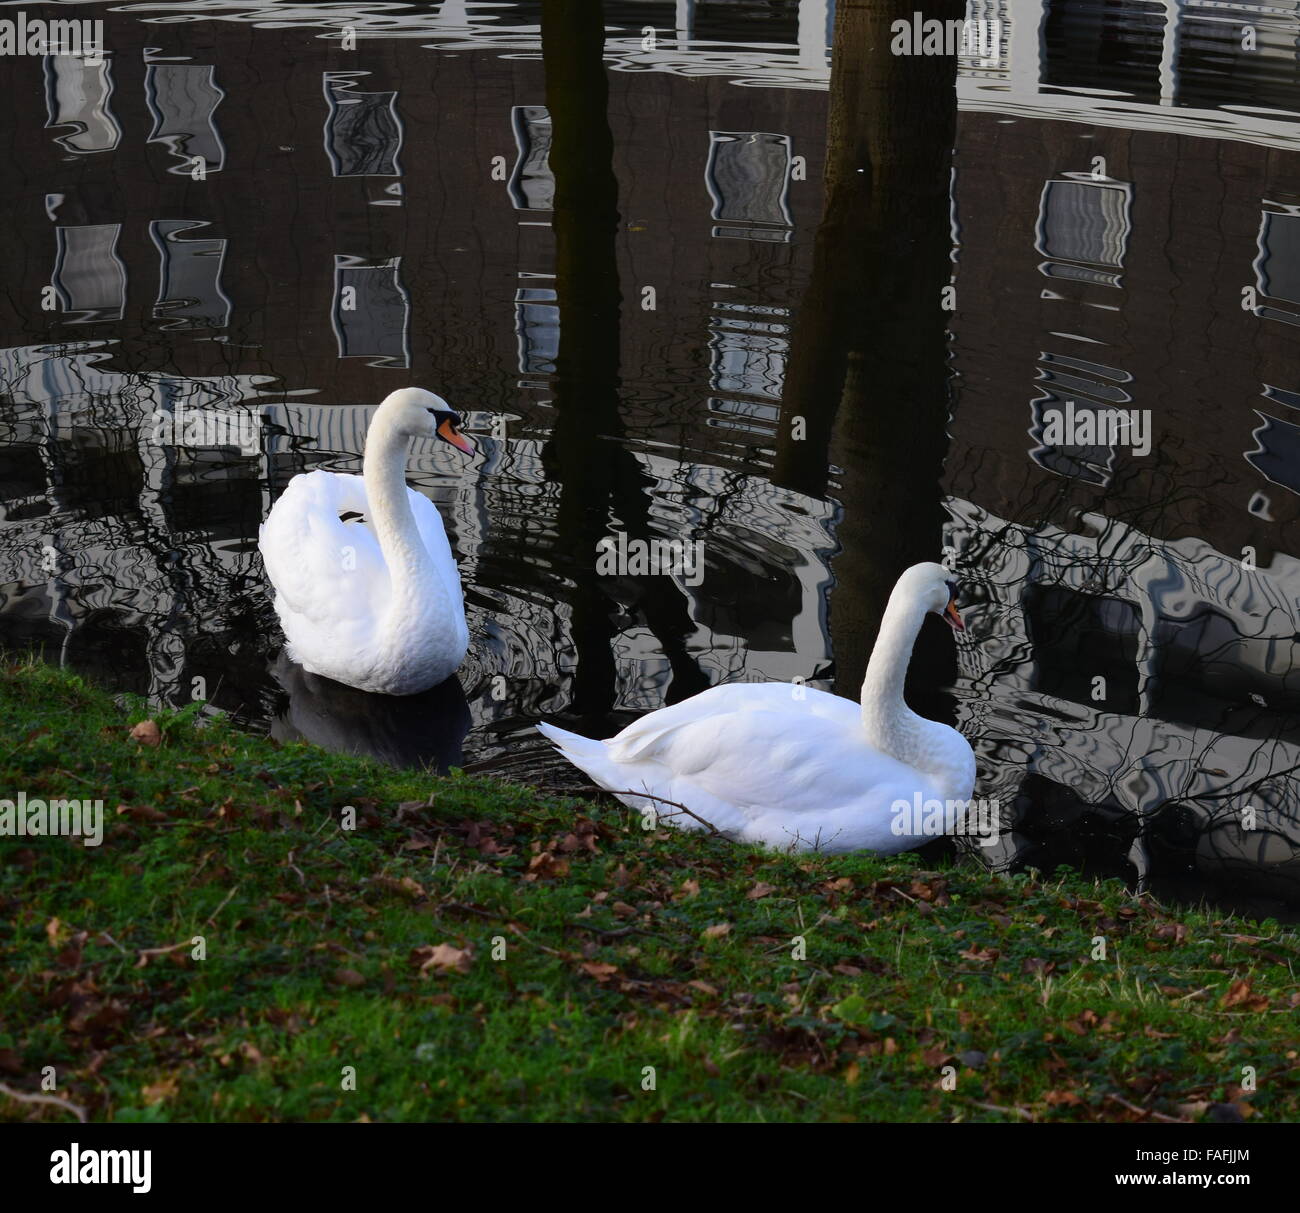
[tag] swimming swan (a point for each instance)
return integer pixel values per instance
(365, 584)
(793, 767)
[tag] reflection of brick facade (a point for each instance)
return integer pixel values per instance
(1174, 323)
(462, 241)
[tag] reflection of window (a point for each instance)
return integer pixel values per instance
(748, 178)
(1077, 637)
(77, 94)
(1083, 221)
(748, 345)
(537, 327)
(531, 186)
(1280, 395)
(1091, 462)
(1277, 267)
(183, 97)
(1073, 435)
(1277, 455)
(88, 274)
(1103, 45)
(1215, 69)
(372, 311)
(363, 134)
(189, 277)
(748, 353)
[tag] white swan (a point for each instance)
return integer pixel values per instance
(793, 767)
(365, 584)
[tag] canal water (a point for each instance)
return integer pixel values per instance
(738, 277)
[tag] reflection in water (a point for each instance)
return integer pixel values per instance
(867, 376)
(651, 275)
(425, 730)
(79, 94)
(183, 98)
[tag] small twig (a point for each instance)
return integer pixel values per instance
(1132, 1107)
(708, 825)
(145, 953)
(302, 880)
(993, 1107)
(617, 932)
(457, 905)
(54, 1100)
(118, 946)
(222, 906)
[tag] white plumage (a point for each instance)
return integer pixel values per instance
(366, 587)
(793, 767)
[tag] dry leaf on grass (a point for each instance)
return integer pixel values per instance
(147, 732)
(442, 958)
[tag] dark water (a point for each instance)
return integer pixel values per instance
(686, 285)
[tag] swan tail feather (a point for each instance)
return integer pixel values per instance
(586, 753)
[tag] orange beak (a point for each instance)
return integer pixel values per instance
(448, 432)
(952, 618)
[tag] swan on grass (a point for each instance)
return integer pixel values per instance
(793, 767)
(366, 587)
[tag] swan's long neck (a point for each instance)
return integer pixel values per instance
(889, 724)
(415, 586)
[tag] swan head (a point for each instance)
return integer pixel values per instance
(932, 585)
(419, 414)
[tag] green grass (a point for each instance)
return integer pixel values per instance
(588, 957)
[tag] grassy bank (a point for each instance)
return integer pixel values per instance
(472, 950)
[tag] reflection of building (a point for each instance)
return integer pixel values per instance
(183, 98)
(189, 278)
(1157, 680)
(748, 178)
(532, 188)
(79, 94)
(372, 311)
(1180, 66)
(363, 134)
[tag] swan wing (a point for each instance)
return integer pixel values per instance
(644, 737)
(329, 575)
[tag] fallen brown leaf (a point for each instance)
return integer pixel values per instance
(164, 1088)
(1239, 995)
(442, 958)
(147, 732)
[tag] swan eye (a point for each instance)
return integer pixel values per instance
(952, 589)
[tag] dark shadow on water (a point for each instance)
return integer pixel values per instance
(599, 477)
(425, 731)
